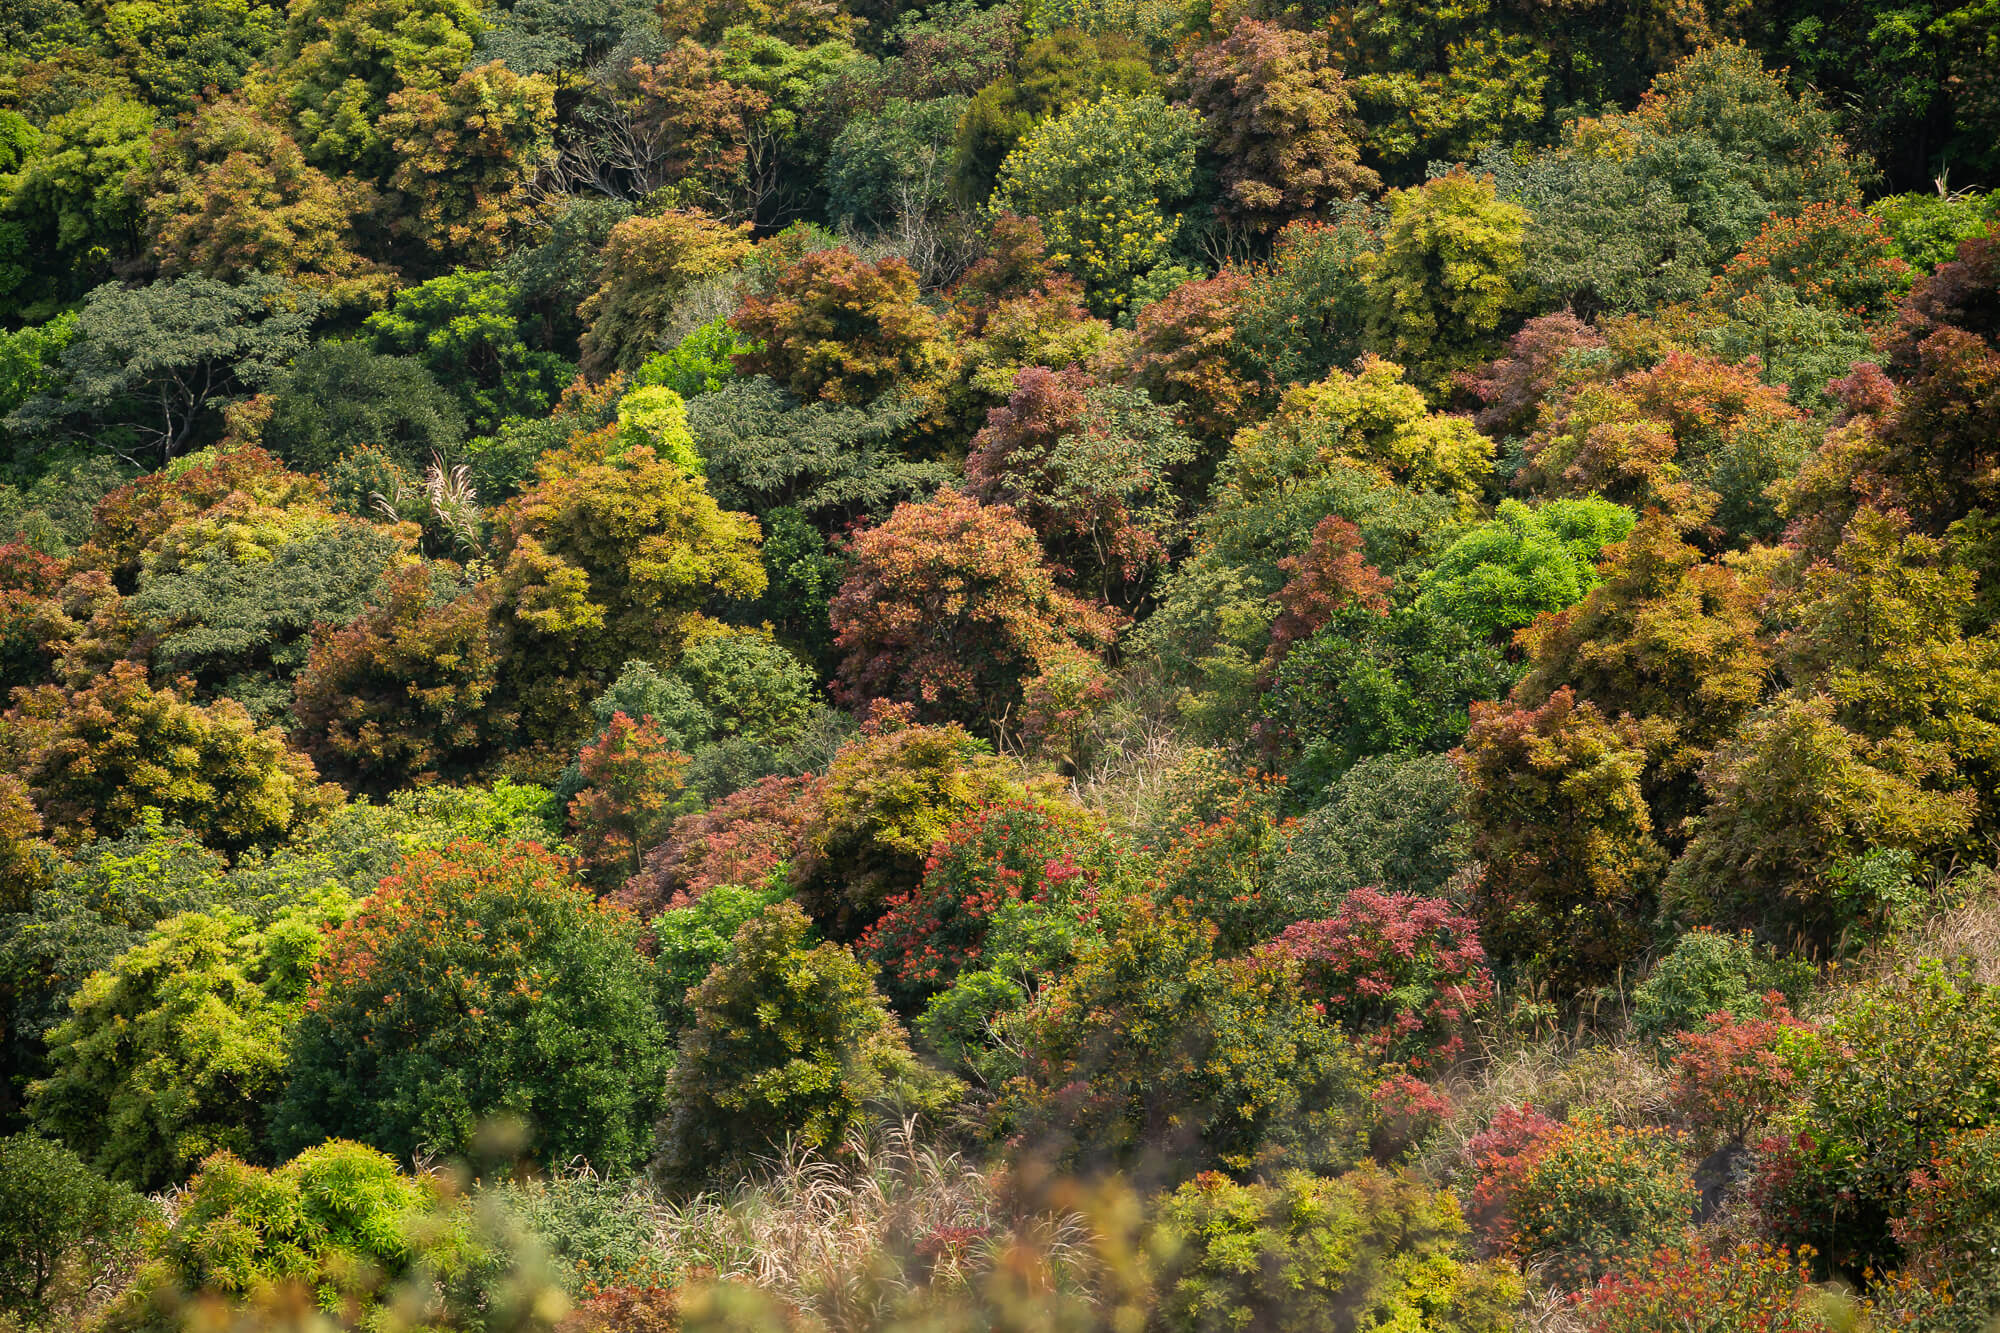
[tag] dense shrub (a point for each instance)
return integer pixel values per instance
(1898, 1070)
(1359, 1251)
(741, 839)
(633, 790)
(1218, 843)
(1588, 1198)
(1390, 821)
(1403, 973)
(1707, 972)
(1734, 1073)
(63, 1230)
(479, 983)
(1019, 851)
(1750, 1287)
(688, 940)
(1950, 1229)
(790, 1043)
(1157, 1055)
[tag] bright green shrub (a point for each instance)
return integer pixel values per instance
(1590, 1197)
(62, 1228)
(479, 983)
(338, 1222)
(1503, 573)
(699, 363)
(689, 941)
(790, 1043)
(172, 1052)
(1308, 1254)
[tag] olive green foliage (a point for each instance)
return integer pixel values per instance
(63, 1230)
(1157, 1056)
(480, 983)
(1106, 178)
(1055, 71)
(173, 1051)
(1592, 1197)
(1390, 822)
(689, 941)
(791, 1042)
(342, 396)
(1359, 1251)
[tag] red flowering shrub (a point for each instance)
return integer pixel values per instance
(1404, 973)
(1731, 1075)
(1590, 1197)
(633, 791)
(1832, 255)
(740, 839)
(1499, 1155)
(1749, 1289)
(1406, 1110)
(1008, 852)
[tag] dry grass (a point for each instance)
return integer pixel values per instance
(847, 1238)
(1966, 931)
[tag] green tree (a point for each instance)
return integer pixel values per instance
(468, 330)
(1500, 575)
(174, 1051)
(78, 192)
(1448, 275)
(341, 396)
(146, 369)
(62, 1229)
(1106, 179)
(479, 982)
(790, 1042)
(1055, 71)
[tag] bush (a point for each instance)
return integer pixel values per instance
(1405, 974)
(1706, 973)
(1155, 1055)
(1732, 1075)
(1307, 1254)
(1950, 1230)
(1900, 1068)
(689, 940)
(1589, 1198)
(480, 982)
(741, 839)
(887, 798)
(339, 1224)
(1752, 1288)
(634, 788)
(790, 1045)
(1021, 851)
(1392, 821)
(1218, 841)
(834, 326)
(63, 1231)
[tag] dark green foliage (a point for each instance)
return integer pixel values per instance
(468, 329)
(480, 983)
(146, 370)
(341, 396)
(1390, 821)
(61, 1228)
(763, 449)
(790, 1043)
(895, 165)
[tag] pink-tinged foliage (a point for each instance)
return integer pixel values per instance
(1733, 1073)
(1330, 577)
(741, 839)
(1510, 389)
(1404, 973)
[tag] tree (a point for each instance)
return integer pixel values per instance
(405, 692)
(469, 331)
(61, 1228)
(1280, 119)
(339, 64)
(1157, 1056)
(479, 982)
(173, 1052)
(96, 757)
(739, 840)
(177, 51)
(790, 1043)
(1391, 820)
(836, 327)
(77, 192)
(232, 194)
(1092, 471)
(1188, 356)
(633, 790)
(1447, 277)
(648, 263)
(1831, 255)
(146, 369)
(1055, 71)
(343, 396)
(1105, 178)
(605, 559)
(951, 606)
(1557, 815)
(1328, 578)
(1499, 576)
